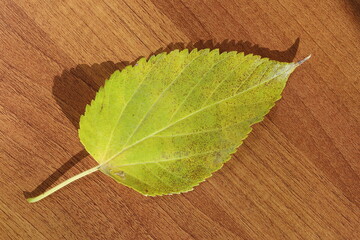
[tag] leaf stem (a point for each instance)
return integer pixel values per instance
(63, 184)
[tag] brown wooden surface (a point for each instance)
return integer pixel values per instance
(295, 177)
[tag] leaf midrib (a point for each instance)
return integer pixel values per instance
(191, 114)
(123, 109)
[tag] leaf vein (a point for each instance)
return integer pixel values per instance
(160, 95)
(224, 79)
(172, 173)
(200, 132)
(123, 109)
(187, 96)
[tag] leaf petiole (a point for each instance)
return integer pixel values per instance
(63, 184)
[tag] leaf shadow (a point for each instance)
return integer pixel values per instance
(355, 10)
(57, 174)
(76, 87)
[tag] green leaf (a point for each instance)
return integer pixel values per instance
(166, 124)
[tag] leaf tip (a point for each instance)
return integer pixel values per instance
(304, 60)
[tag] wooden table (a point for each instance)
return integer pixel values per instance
(295, 177)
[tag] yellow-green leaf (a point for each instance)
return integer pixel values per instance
(167, 123)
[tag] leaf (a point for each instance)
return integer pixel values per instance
(166, 124)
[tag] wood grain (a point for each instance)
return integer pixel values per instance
(295, 177)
